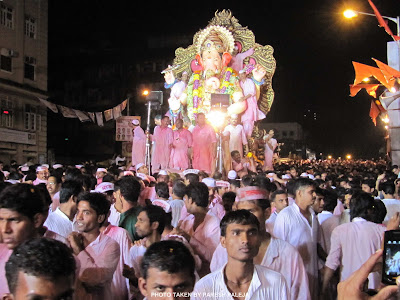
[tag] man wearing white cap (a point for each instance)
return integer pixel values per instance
(42, 174)
(138, 143)
(236, 134)
(100, 173)
(163, 137)
(182, 143)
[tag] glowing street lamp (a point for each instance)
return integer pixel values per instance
(329, 156)
(350, 14)
(145, 92)
(348, 156)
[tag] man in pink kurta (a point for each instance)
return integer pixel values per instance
(252, 113)
(204, 140)
(270, 145)
(163, 138)
(138, 143)
(237, 136)
(182, 142)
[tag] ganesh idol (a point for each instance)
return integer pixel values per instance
(213, 61)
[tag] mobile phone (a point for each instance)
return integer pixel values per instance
(391, 257)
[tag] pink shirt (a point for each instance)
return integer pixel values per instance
(179, 154)
(138, 146)
(5, 254)
(293, 227)
(163, 138)
(352, 244)
(203, 138)
(327, 227)
(98, 263)
(205, 238)
(280, 257)
(120, 285)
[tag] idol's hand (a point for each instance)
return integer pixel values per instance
(259, 72)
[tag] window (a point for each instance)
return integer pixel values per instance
(29, 68)
(5, 63)
(6, 16)
(7, 116)
(30, 27)
(30, 121)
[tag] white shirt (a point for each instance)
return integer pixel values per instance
(176, 207)
(280, 257)
(269, 224)
(59, 223)
(323, 216)
(114, 216)
(292, 227)
(392, 206)
(265, 284)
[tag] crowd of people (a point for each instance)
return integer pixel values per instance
(304, 230)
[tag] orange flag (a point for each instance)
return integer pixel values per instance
(374, 111)
(387, 71)
(382, 22)
(364, 71)
(370, 88)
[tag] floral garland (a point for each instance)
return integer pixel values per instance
(226, 82)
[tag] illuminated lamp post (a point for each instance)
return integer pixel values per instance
(390, 99)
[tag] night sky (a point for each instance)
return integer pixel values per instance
(314, 47)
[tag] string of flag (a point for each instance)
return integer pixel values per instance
(83, 116)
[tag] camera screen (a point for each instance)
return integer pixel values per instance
(392, 258)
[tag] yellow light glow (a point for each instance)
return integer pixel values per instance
(349, 14)
(393, 90)
(329, 156)
(366, 79)
(348, 156)
(216, 118)
(385, 120)
(145, 92)
(386, 127)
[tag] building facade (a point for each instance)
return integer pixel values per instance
(23, 79)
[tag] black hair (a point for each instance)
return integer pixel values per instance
(156, 213)
(379, 212)
(179, 189)
(23, 198)
(228, 199)
(108, 178)
(330, 200)
(129, 188)
(198, 192)
(192, 177)
(40, 257)
(361, 205)
(168, 256)
(162, 189)
(387, 187)
(277, 192)
(14, 176)
(70, 188)
(370, 182)
(235, 182)
(58, 177)
(97, 201)
(240, 216)
(301, 183)
(248, 180)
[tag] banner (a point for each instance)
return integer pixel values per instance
(124, 127)
(49, 105)
(109, 114)
(99, 118)
(67, 112)
(83, 117)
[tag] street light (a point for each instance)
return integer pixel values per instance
(349, 14)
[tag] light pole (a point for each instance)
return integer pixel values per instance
(391, 100)
(154, 99)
